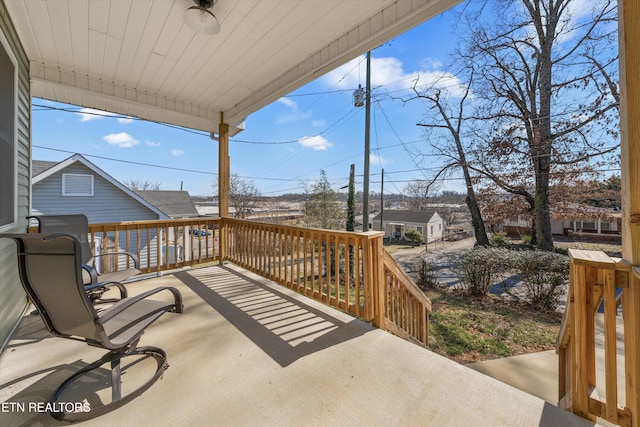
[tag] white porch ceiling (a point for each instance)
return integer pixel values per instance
(139, 58)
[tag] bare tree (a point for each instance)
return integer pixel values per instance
(546, 94)
(419, 192)
(243, 196)
(142, 185)
(452, 121)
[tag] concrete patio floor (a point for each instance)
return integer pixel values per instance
(247, 352)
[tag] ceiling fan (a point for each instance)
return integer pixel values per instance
(200, 18)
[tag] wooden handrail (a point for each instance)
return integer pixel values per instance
(407, 307)
(161, 245)
(346, 270)
(596, 279)
(329, 266)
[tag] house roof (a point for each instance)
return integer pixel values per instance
(139, 58)
(397, 215)
(172, 203)
(39, 166)
(42, 169)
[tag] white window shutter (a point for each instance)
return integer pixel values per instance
(77, 185)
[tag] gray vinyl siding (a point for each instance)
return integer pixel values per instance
(12, 297)
(108, 203)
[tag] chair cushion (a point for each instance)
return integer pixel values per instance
(131, 322)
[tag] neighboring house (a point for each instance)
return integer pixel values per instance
(596, 222)
(396, 222)
(174, 204)
(76, 185)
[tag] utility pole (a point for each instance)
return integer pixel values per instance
(382, 201)
(365, 186)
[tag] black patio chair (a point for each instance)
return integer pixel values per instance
(51, 274)
(78, 225)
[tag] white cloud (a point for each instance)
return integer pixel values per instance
(122, 140)
(377, 160)
(430, 64)
(579, 9)
(289, 103)
(177, 153)
(89, 114)
(317, 143)
(152, 143)
(389, 73)
(577, 13)
(293, 114)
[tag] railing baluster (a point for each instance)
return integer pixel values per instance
(631, 319)
(350, 271)
(610, 346)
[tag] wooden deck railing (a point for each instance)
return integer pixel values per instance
(160, 245)
(349, 271)
(597, 279)
(407, 307)
(346, 270)
(329, 266)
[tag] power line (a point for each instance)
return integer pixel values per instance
(126, 161)
(334, 181)
(78, 110)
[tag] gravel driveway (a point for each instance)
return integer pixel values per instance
(438, 254)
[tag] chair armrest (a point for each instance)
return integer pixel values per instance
(92, 272)
(120, 286)
(124, 304)
(136, 263)
(37, 218)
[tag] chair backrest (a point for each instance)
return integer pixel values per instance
(51, 274)
(76, 224)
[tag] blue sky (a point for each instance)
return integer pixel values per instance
(287, 143)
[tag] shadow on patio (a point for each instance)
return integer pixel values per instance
(284, 327)
(249, 352)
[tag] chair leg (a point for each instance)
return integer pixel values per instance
(116, 383)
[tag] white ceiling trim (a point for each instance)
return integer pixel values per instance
(137, 58)
(392, 20)
(109, 97)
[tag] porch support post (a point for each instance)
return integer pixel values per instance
(223, 183)
(378, 279)
(223, 168)
(629, 34)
